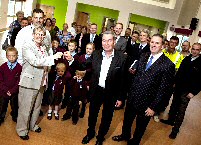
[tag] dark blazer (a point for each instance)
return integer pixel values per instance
(144, 50)
(121, 44)
(188, 78)
(86, 39)
(77, 37)
(58, 86)
(14, 34)
(76, 91)
(149, 87)
(114, 84)
(9, 80)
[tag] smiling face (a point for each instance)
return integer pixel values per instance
(156, 45)
(38, 36)
(93, 29)
(108, 42)
(143, 37)
(38, 19)
(196, 49)
(60, 71)
(118, 29)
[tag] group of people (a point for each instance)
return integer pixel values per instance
(103, 70)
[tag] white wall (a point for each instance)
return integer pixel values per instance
(129, 6)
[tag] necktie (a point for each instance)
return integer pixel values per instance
(11, 67)
(141, 47)
(92, 38)
(149, 63)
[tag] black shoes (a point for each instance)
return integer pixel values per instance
(65, 117)
(168, 122)
(86, 139)
(119, 138)
(99, 142)
(26, 137)
(173, 135)
(38, 130)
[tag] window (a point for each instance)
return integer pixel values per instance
(13, 7)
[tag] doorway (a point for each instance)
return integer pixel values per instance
(82, 18)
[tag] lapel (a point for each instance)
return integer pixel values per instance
(114, 63)
(156, 64)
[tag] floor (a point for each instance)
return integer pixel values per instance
(57, 132)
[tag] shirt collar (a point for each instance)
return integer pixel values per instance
(73, 53)
(104, 55)
(13, 64)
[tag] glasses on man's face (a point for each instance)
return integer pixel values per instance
(39, 35)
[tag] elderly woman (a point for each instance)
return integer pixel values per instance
(32, 82)
(16, 23)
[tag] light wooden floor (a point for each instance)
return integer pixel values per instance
(64, 133)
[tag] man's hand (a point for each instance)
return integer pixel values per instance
(118, 103)
(8, 93)
(149, 112)
(190, 96)
(68, 56)
(58, 55)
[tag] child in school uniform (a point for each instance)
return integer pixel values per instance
(10, 73)
(51, 75)
(55, 91)
(90, 47)
(72, 64)
(78, 91)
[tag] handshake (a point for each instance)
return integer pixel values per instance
(58, 55)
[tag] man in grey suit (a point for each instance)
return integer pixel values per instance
(121, 42)
(32, 81)
(152, 82)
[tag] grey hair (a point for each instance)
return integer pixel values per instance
(19, 12)
(109, 32)
(39, 27)
(146, 31)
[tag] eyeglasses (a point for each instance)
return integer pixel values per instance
(38, 34)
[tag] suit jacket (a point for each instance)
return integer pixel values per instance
(33, 65)
(58, 86)
(86, 39)
(188, 78)
(14, 34)
(115, 80)
(9, 79)
(149, 87)
(121, 44)
(144, 50)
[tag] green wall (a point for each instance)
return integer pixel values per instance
(60, 10)
(148, 21)
(97, 14)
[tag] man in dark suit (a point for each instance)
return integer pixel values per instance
(23, 24)
(121, 42)
(153, 79)
(187, 85)
(91, 37)
(107, 86)
(143, 46)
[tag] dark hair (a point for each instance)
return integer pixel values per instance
(24, 19)
(49, 20)
(136, 32)
(74, 23)
(73, 41)
(159, 35)
(94, 24)
(175, 38)
(55, 39)
(54, 19)
(128, 29)
(37, 11)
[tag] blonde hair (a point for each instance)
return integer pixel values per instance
(81, 73)
(39, 28)
(19, 12)
(92, 44)
(61, 66)
(11, 48)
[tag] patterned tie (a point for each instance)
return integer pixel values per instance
(141, 47)
(11, 67)
(149, 63)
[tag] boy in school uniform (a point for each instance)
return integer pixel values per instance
(10, 73)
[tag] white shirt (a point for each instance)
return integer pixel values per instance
(92, 36)
(155, 57)
(194, 58)
(104, 68)
(73, 31)
(143, 45)
(25, 35)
